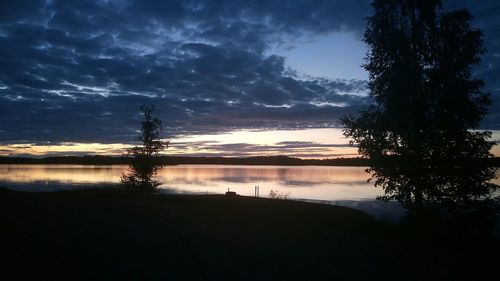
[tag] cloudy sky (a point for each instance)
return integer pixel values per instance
(232, 78)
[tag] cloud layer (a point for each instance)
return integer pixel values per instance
(76, 71)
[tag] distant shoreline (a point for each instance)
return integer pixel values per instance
(183, 160)
(180, 160)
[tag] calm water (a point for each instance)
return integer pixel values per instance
(306, 182)
(333, 185)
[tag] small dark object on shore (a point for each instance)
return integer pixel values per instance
(231, 193)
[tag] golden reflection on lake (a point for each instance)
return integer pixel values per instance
(299, 182)
(309, 182)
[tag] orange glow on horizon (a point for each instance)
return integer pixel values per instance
(311, 143)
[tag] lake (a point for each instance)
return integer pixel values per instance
(302, 182)
(346, 186)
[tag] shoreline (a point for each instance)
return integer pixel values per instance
(183, 160)
(186, 160)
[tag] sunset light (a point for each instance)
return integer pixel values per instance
(252, 140)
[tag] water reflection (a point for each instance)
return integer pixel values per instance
(310, 182)
(320, 183)
(344, 185)
(31, 175)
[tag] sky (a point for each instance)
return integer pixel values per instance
(228, 78)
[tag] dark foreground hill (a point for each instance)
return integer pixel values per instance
(114, 235)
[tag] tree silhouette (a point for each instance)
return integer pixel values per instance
(141, 174)
(419, 131)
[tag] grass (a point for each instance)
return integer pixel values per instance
(111, 234)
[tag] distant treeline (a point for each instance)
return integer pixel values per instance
(179, 160)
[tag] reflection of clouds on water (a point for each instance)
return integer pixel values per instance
(60, 174)
(251, 180)
(304, 182)
(310, 184)
(345, 186)
(300, 176)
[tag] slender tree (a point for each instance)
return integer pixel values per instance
(141, 174)
(420, 132)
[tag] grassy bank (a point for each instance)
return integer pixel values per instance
(110, 234)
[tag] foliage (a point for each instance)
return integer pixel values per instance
(276, 194)
(141, 174)
(419, 133)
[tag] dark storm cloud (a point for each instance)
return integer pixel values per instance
(78, 70)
